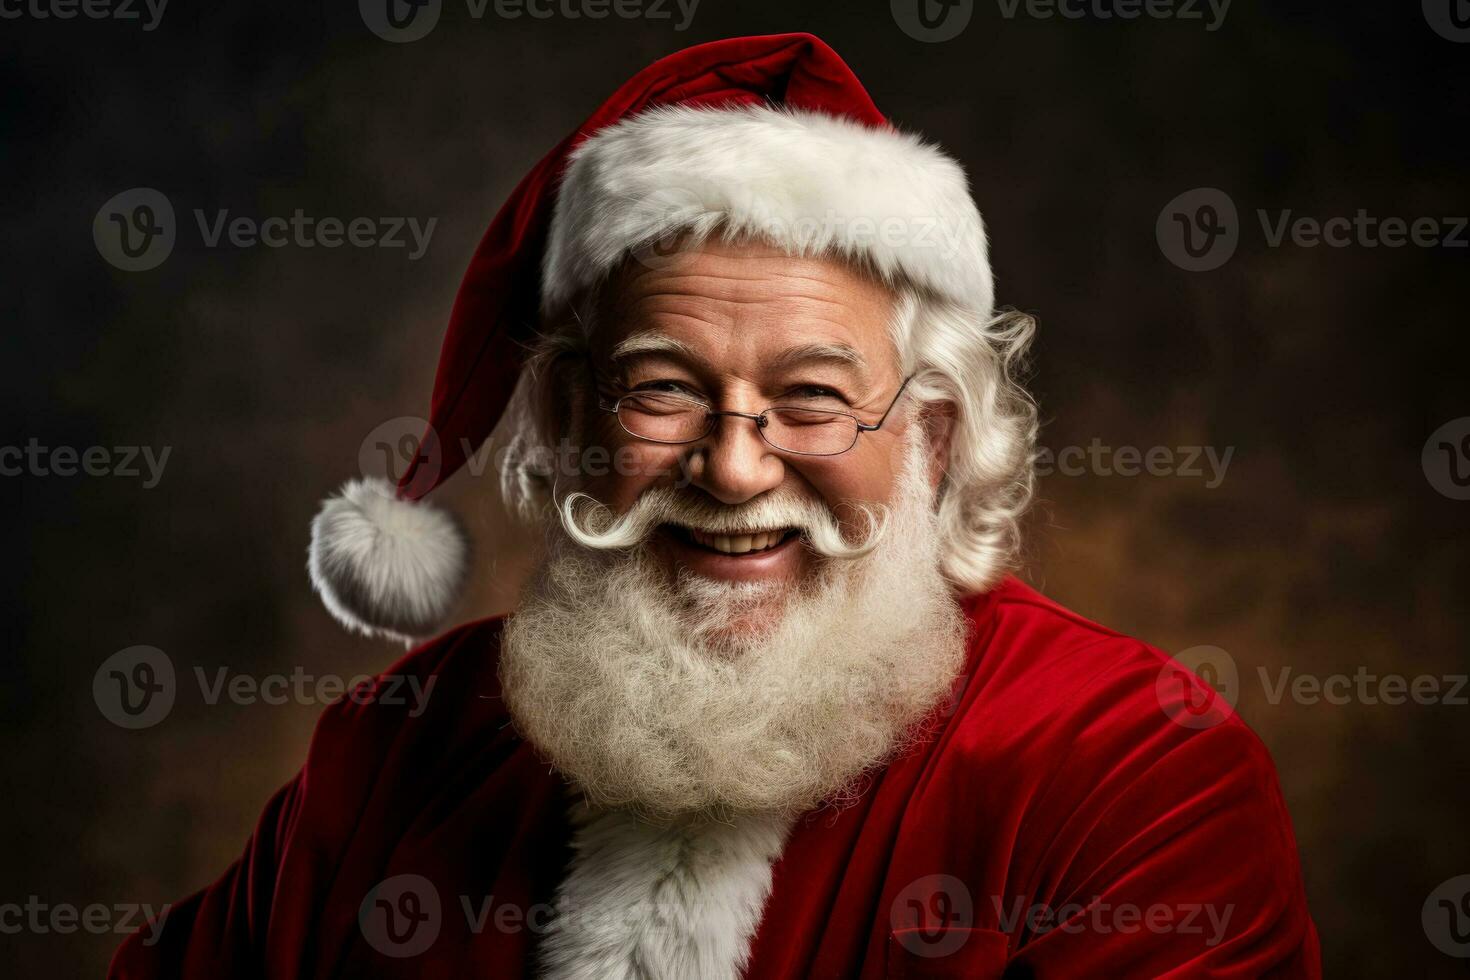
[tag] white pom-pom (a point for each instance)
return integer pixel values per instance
(385, 566)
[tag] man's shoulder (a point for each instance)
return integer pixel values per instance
(1073, 732)
(394, 743)
(1049, 687)
(1109, 776)
(448, 684)
(1024, 643)
(1020, 617)
(469, 649)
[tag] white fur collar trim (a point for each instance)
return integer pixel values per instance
(642, 902)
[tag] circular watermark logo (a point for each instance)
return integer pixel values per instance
(398, 444)
(135, 230)
(932, 21)
(933, 915)
(1199, 230)
(1446, 459)
(1180, 695)
(401, 21)
(1449, 18)
(401, 917)
(661, 214)
(1446, 917)
(135, 688)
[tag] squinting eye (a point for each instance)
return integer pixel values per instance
(814, 392)
(671, 387)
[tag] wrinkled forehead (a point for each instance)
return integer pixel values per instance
(746, 304)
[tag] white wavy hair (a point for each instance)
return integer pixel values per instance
(974, 361)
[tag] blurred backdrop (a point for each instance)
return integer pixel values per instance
(1307, 520)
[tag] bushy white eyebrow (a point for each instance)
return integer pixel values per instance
(653, 342)
(650, 342)
(841, 353)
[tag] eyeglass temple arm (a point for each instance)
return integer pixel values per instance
(607, 401)
(889, 411)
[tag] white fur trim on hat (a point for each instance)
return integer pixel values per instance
(805, 181)
(386, 566)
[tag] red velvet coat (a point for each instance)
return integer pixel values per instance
(1060, 824)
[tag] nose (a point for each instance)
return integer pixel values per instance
(734, 464)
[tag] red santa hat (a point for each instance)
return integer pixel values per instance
(769, 136)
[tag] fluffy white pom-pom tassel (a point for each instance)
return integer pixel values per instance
(384, 566)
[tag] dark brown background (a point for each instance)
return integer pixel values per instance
(1325, 549)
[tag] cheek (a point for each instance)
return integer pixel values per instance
(861, 477)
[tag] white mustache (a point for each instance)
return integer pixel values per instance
(592, 524)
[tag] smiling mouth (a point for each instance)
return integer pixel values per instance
(748, 543)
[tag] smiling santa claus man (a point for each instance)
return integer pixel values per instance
(771, 705)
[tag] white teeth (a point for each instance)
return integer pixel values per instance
(738, 544)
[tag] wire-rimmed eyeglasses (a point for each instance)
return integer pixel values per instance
(675, 420)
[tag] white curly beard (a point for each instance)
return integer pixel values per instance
(638, 691)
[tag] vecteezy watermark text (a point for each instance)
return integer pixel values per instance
(671, 206)
(1098, 459)
(1101, 918)
(137, 688)
(392, 447)
(1200, 687)
(1211, 12)
(1200, 230)
(934, 21)
(125, 10)
(401, 21)
(1365, 687)
(136, 230)
(306, 231)
(301, 687)
(395, 445)
(63, 918)
(34, 459)
(1363, 230)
